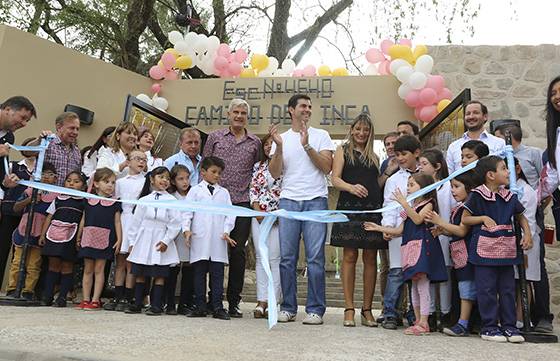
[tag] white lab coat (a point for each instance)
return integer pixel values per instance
(128, 187)
(207, 229)
(445, 203)
(182, 249)
(107, 158)
(529, 201)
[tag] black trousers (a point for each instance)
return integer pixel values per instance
(216, 271)
(8, 224)
(186, 294)
(237, 257)
(541, 301)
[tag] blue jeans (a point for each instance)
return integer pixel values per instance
(393, 292)
(314, 235)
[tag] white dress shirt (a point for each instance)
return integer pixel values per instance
(495, 145)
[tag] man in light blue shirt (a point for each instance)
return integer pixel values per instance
(189, 155)
(476, 115)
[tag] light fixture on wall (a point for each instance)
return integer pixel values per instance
(85, 115)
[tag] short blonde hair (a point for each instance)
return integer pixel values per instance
(188, 130)
(236, 103)
(64, 117)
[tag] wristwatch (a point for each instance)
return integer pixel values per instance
(307, 147)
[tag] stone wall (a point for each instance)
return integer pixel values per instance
(512, 81)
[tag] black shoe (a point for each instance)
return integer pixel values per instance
(432, 322)
(60, 302)
(121, 306)
(197, 313)
(28, 296)
(11, 294)
(400, 322)
(182, 309)
(154, 311)
(221, 314)
(390, 323)
(46, 302)
(172, 311)
(235, 312)
(133, 309)
(110, 306)
(445, 321)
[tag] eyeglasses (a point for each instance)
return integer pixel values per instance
(139, 159)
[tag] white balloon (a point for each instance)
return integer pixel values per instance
(396, 65)
(372, 70)
(288, 65)
(280, 72)
(424, 64)
(175, 37)
(404, 73)
(143, 97)
(190, 38)
(417, 80)
(212, 43)
(403, 91)
(200, 43)
(265, 73)
(182, 47)
(272, 64)
(207, 66)
(160, 103)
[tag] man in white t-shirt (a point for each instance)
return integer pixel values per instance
(303, 156)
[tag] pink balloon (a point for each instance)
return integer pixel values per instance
(374, 56)
(171, 75)
(428, 113)
(240, 56)
(413, 98)
(168, 60)
(406, 42)
(234, 69)
(383, 68)
(224, 50)
(156, 88)
(428, 96)
(220, 62)
(417, 112)
(436, 82)
(445, 94)
(309, 70)
(157, 72)
(385, 45)
(297, 73)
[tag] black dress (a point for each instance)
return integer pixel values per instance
(351, 234)
(99, 234)
(63, 230)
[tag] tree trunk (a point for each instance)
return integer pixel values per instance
(279, 41)
(137, 19)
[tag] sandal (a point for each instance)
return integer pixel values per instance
(417, 330)
(259, 311)
(349, 323)
(365, 321)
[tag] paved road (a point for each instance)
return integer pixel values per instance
(41, 334)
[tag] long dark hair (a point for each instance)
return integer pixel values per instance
(552, 123)
(435, 157)
(147, 188)
(99, 142)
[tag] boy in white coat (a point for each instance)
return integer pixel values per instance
(208, 237)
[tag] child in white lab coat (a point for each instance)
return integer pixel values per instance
(208, 237)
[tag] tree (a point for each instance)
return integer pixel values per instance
(133, 33)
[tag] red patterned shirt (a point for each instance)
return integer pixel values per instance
(65, 159)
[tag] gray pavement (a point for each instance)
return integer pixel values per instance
(45, 333)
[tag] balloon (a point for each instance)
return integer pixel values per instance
(240, 55)
(385, 45)
(435, 82)
(424, 64)
(309, 70)
(265, 73)
(259, 62)
(384, 67)
(200, 43)
(171, 75)
(397, 64)
(156, 88)
(234, 68)
(442, 104)
(212, 43)
(417, 112)
(144, 98)
(157, 72)
(183, 62)
(417, 80)
(372, 70)
(297, 73)
(406, 42)
(224, 50)
(220, 63)
(182, 47)
(445, 94)
(374, 56)
(419, 50)
(288, 65)
(168, 60)
(404, 73)
(173, 51)
(190, 38)
(428, 113)
(160, 103)
(340, 72)
(401, 52)
(280, 72)
(428, 96)
(324, 70)
(413, 99)
(174, 37)
(247, 73)
(403, 91)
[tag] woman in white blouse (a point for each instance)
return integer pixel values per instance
(90, 157)
(119, 147)
(146, 140)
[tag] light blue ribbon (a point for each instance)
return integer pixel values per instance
(323, 216)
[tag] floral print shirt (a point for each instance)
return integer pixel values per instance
(264, 189)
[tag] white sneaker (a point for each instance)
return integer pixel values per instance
(313, 319)
(494, 336)
(285, 316)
